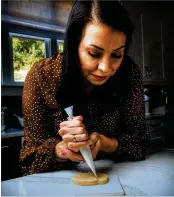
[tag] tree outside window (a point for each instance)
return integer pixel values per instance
(26, 51)
(60, 46)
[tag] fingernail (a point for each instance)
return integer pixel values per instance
(80, 118)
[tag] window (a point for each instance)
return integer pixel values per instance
(60, 46)
(26, 50)
(22, 45)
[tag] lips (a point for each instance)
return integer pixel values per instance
(99, 78)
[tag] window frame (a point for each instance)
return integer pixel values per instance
(59, 41)
(7, 70)
(13, 34)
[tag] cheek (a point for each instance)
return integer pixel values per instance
(116, 66)
(86, 68)
(87, 65)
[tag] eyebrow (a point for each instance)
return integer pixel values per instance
(103, 49)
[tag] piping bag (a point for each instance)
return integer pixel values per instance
(85, 151)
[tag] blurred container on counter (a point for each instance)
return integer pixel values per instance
(146, 100)
(2, 118)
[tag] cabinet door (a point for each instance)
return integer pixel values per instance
(169, 133)
(10, 150)
(152, 42)
(135, 51)
(157, 129)
(168, 42)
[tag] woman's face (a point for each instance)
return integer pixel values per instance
(100, 52)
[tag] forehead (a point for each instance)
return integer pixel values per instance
(102, 35)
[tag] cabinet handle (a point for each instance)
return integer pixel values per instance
(146, 71)
(156, 125)
(150, 72)
(5, 146)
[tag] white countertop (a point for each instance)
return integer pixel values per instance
(151, 177)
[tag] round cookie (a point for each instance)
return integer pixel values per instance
(86, 179)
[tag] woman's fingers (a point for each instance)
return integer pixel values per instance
(75, 146)
(80, 118)
(94, 137)
(59, 151)
(74, 138)
(72, 131)
(71, 123)
(75, 122)
(81, 137)
(96, 145)
(96, 149)
(71, 155)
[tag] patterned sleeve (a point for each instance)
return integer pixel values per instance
(134, 136)
(41, 119)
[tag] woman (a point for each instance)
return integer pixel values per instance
(96, 76)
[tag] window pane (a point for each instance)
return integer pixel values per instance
(60, 47)
(26, 51)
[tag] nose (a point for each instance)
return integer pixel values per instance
(105, 66)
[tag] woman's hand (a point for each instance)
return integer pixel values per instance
(74, 134)
(74, 137)
(96, 144)
(63, 152)
(102, 143)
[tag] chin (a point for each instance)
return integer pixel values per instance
(98, 83)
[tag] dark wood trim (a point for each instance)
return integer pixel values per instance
(32, 24)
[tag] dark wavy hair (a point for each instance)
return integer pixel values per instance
(110, 13)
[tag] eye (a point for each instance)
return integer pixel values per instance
(94, 54)
(116, 56)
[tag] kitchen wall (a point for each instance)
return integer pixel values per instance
(51, 12)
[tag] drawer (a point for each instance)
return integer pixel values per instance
(11, 141)
(155, 123)
(10, 153)
(156, 126)
(155, 134)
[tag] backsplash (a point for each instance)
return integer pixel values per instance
(14, 107)
(13, 103)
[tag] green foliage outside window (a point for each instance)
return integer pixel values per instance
(26, 52)
(60, 47)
